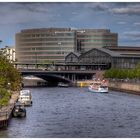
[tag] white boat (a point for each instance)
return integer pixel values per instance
(25, 97)
(99, 86)
(60, 84)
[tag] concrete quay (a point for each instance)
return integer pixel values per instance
(129, 87)
(6, 111)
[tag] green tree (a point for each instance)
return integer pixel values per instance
(10, 80)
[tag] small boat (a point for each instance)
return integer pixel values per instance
(19, 110)
(63, 84)
(99, 86)
(25, 97)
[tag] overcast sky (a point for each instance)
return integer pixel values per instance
(122, 18)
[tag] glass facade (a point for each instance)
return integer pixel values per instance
(40, 45)
(53, 44)
(95, 38)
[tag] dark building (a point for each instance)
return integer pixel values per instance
(102, 58)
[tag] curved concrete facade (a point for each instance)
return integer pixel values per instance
(44, 45)
(53, 44)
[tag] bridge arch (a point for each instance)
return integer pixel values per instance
(51, 79)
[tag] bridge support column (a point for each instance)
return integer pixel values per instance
(73, 77)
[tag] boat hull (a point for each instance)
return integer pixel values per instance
(98, 90)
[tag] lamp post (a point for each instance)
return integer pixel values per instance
(8, 85)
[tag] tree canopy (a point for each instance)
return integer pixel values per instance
(123, 73)
(10, 79)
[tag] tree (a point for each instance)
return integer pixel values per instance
(10, 80)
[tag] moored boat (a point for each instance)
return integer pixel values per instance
(19, 110)
(25, 97)
(99, 86)
(60, 84)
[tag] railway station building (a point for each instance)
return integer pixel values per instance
(103, 58)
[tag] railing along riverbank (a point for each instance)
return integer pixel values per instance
(6, 111)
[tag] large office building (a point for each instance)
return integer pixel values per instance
(44, 45)
(53, 44)
(95, 38)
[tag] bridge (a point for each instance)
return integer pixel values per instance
(54, 77)
(55, 73)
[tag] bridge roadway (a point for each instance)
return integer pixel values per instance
(59, 76)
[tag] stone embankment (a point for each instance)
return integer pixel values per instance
(6, 111)
(118, 85)
(129, 87)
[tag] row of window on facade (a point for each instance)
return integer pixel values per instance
(47, 35)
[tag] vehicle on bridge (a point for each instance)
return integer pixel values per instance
(99, 86)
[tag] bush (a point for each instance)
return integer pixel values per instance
(4, 96)
(123, 73)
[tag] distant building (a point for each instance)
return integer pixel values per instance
(53, 44)
(95, 38)
(8, 52)
(44, 45)
(102, 58)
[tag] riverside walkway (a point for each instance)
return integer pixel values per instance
(6, 111)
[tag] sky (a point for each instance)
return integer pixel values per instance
(120, 17)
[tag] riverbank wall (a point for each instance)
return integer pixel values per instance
(125, 87)
(129, 87)
(6, 111)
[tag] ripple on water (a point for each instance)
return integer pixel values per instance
(75, 112)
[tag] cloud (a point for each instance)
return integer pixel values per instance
(96, 6)
(121, 22)
(122, 8)
(137, 23)
(130, 9)
(133, 35)
(21, 13)
(35, 7)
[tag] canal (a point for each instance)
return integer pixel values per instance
(77, 113)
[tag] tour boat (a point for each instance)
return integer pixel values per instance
(19, 110)
(99, 86)
(25, 97)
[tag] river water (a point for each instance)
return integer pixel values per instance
(77, 113)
